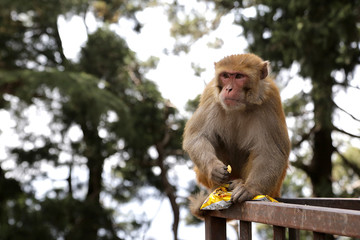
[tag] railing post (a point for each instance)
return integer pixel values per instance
(245, 230)
(294, 234)
(215, 228)
(319, 236)
(279, 233)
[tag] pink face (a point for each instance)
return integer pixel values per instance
(232, 84)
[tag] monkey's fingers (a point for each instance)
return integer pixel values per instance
(220, 175)
(238, 195)
(244, 197)
(235, 183)
(220, 178)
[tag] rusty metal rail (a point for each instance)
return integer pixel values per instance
(335, 216)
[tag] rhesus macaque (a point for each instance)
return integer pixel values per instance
(239, 122)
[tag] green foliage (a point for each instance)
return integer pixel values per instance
(217, 44)
(110, 11)
(118, 113)
(9, 189)
(192, 105)
(197, 69)
(79, 91)
(296, 106)
(266, 232)
(105, 55)
(296, 184)
(194, 25)
(21, 220)
(346, 173)
(29, 35)
(28, 218)
(189, 25)
(306, 32)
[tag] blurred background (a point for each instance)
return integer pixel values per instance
(95, 95)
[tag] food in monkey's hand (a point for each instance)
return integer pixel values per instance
(229, 169)
(220, 198)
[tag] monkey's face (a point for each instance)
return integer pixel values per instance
(238, 78)
(233, 88)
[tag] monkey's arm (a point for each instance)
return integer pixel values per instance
(269, 162)
(198, 143)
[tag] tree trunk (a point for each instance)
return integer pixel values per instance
(87, 223)
(170, 191)
(320, 168)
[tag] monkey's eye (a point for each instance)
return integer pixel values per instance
(239, 75)
(225, 75)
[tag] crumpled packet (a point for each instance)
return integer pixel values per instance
(220, 198)
(265, 198)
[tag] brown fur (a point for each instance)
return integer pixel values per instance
(195, 203)
(250, 135)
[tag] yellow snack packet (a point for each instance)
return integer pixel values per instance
(265, 198)
(218, 199)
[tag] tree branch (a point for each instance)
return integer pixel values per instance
(344, 132)
(169, 189)
(343, 110)
(133, 77)
(301, 166)
(348, 85)
(354, 167)
(304, 137)
(176, 152)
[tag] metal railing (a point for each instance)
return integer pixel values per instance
(334, 216)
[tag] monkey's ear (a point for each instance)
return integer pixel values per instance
(264, 71)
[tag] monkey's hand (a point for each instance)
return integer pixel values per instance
(240, 192)
(219, 173)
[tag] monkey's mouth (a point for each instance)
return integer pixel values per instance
(231, 101)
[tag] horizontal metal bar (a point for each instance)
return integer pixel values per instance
(335, 221)
(344, 203)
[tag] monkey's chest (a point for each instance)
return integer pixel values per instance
(232, 155)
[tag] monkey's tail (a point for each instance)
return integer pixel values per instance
(195, 203)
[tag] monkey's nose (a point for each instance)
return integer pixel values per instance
(229, 89)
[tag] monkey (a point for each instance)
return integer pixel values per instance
(239, 122)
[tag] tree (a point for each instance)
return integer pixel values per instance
(117, 112)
